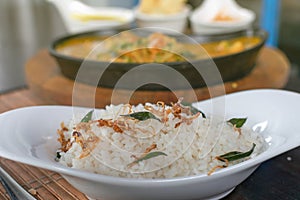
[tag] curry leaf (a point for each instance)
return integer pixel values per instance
(87, 117)
(193, 109)
(236, 155)
(142, 116)
(150, 155)
(237, 122)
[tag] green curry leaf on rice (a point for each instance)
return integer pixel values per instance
(142, 116)
(88, 116)
(237, 122)
(236, 155)
(193, 109)
(148, 156)
(231, 156)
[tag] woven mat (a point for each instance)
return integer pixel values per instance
(46, 184)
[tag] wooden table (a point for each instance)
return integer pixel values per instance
(45, 79)
(276, 179)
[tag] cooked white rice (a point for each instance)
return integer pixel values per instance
(190, 148)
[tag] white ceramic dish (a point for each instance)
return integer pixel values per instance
(203, 18)
(176, 22)
(28, 135)
(79, 17)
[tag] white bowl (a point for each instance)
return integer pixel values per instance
(75, 14)
(202, 18)
(176, 22)
(28, 135)
(202, 29)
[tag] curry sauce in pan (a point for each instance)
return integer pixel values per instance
(157, 47)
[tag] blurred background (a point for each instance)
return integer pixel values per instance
(26, 26)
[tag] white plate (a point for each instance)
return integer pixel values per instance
(28, 135)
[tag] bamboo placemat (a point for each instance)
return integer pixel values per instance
(46, 184)
(43, 184)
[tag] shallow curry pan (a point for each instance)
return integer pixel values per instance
(160, 76)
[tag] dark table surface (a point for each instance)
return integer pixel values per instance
(278, 178)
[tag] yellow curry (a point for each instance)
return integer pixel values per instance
(130, 48)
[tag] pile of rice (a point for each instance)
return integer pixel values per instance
(111, 143)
